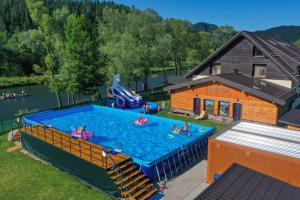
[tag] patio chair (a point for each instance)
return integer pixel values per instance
(201, 116)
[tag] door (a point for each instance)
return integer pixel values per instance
(197, 106)
(237, 111)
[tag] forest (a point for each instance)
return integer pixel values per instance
(76, 46)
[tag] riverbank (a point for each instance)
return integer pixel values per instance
(7, 82)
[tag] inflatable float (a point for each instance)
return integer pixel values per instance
(140, 120)
(84, 135)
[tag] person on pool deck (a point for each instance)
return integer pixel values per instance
(158, 108)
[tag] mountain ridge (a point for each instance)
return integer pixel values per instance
(285, 33)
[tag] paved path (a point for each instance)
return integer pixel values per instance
(189, 184)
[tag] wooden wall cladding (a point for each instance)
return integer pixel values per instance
(293, 127)
(253, 108)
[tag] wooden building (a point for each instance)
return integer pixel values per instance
(232, 96)
(255, 55)
(268, 73)
(267, 149)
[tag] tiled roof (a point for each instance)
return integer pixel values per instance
(291, 118)
(239, 182)
(285, 56)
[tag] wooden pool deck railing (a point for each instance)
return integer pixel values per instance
(84, 149)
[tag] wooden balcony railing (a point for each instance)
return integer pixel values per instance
(84, 149)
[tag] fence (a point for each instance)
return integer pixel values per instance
(10, 124)
(78, 147)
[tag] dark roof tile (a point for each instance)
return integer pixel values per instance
(245, 183)
(291, 118)
(284, 55)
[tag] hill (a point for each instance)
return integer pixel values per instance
(289, 34)
(203, 26)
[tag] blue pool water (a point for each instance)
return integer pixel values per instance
(114, 129)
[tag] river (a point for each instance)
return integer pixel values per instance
(41, 98)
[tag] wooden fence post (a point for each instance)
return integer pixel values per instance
(70, 139)
(60, 141)
(80, 149)
(52, 136)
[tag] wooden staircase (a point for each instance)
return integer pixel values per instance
(132, 183)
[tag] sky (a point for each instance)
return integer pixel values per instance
(250, 15)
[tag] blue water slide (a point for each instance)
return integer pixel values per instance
(125, 97)
(121, 103)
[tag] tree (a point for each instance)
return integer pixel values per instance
(164, 51)
(297, 43)
(201, 48)
(222, 35)
(28, 49)
(52, 39)
(130, 51)
(82, 72)
(181, 32)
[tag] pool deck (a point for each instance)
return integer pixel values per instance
(81, 148)
(188, 185)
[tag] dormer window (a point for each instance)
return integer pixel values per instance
(259, 71)
(257, 52)
(215, 69)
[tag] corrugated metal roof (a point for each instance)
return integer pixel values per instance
(267, 138)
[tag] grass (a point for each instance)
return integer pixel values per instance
(25, 178)
(210, 123)
(161, 97)
(6, 82)
(160, 69)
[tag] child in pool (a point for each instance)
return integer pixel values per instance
(186, 128)
(176, 130)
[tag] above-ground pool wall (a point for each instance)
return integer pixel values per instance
(177, 162)
(221, 155)
(63, 160)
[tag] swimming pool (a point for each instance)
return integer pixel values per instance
(147, 144)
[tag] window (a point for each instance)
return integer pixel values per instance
(224, 108)
(209, 106)
(215, 69)
(259, 71)
(257, 52)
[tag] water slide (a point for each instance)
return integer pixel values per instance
(123, 96)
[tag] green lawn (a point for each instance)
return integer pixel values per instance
(218, 125)
(25, 178)
(160, 97)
